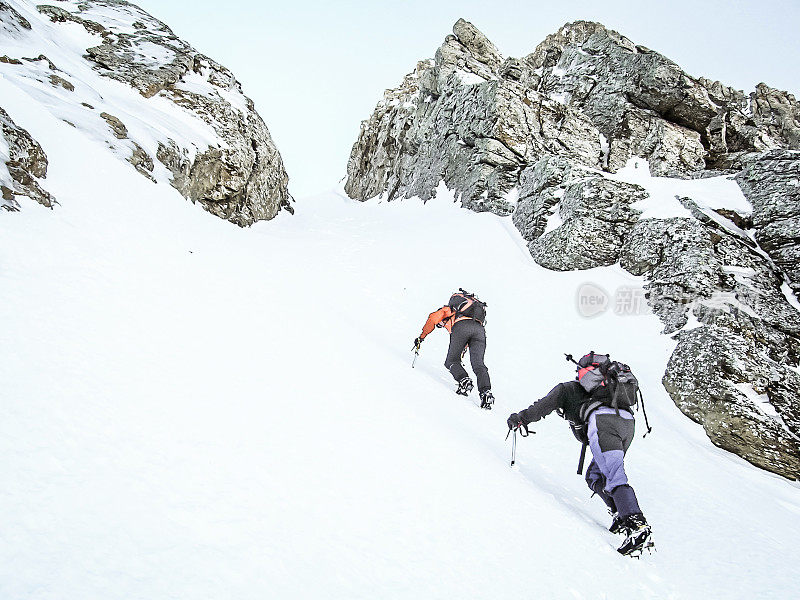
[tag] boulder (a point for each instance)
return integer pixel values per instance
(597, 215)
(745, 401)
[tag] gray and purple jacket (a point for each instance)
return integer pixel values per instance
(607, 432)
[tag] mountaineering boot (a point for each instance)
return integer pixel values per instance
(638, 532)
(464, 386)
(487, 400)
(617, 524)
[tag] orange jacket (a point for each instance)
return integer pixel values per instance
(444, 317)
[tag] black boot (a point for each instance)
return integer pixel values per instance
(618, 525)
(464, 386)
(638, 536)
(487, 399)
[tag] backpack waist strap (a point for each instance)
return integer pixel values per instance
(592, 405)
(464, 318)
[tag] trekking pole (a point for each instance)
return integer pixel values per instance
(416, 354)
(570, 359)
(644, 412)
(514, 449)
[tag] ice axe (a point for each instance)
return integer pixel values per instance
(521, 428)
(417, 344)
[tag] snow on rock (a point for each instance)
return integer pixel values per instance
(699, 266)
(23, 164)
(597, 215)
(704, 376)
(125, 80)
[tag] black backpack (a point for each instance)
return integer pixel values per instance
(466, 304)
(608, 382)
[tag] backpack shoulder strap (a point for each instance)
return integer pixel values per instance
(463, 305)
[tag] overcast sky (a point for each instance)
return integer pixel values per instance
(316, 69)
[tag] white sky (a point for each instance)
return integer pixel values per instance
(316, 69)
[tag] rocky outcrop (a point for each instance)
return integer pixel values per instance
(641, 102)
(22, 164)
(771, 182)
(746, 401)
(192, 125)
(733, 371)
(541, 138)
(242, 180)
(12, 24)
(676, 256)
(647, 106)
(476, 120)
(465, 119)
(541, 188)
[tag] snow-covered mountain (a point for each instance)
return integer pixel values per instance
(545, 140)
(196, 410)
(124, 79)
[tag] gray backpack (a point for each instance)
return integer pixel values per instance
(608, 382)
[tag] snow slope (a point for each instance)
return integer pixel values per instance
(191, 410)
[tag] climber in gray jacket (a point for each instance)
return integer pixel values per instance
(608, 432)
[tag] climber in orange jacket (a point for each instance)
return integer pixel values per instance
(463, 316)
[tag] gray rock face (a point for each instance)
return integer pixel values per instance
(22, 165)
(777, 114)
(672, 150)
(677, 258)
(216, 147)
(541, 187)
(641, 102)
(733, 372)
(647, 106)
(457, 120)
(242, 181)
(771, 182)
(731, 387)
(554, 126)
(476, 121)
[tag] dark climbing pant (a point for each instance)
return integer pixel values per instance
(610, 435)
(468, 333)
